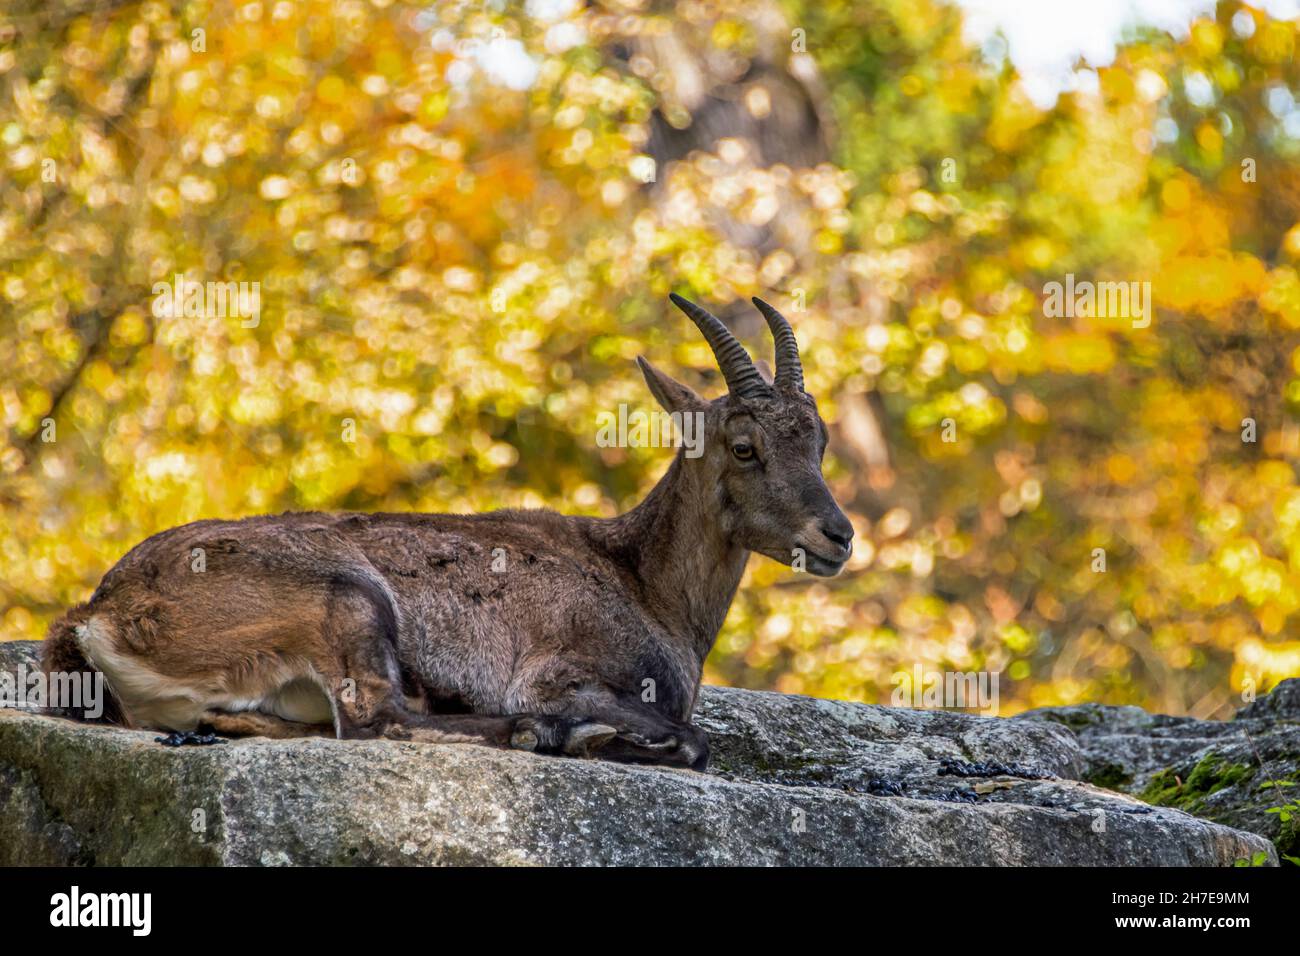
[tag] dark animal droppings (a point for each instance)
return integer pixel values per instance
(951, 767)
(182, 738)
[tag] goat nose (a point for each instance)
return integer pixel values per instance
(840, 531)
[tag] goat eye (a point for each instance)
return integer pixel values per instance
(743, 450)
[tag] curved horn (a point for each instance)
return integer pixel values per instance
(737, 368)
(789, 370)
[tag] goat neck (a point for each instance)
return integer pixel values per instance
(674, 543)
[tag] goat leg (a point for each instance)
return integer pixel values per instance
(645, 735)
(256, 724)
(539, 733)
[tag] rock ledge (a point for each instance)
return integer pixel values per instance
(794, 781)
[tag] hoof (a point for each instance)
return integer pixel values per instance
(523, 740)
(396, 732)
(585, 738)
(667, 745)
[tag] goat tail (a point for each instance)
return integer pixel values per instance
(64, 662)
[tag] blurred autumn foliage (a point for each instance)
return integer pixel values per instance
(464, 220)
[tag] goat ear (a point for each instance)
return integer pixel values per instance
(764, 370)
(672, 395)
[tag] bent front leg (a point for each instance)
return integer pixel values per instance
(539, 733)
(645, 735)
(682, 746)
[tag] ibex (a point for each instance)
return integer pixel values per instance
(520, 629)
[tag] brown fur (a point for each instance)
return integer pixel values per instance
(590, 640)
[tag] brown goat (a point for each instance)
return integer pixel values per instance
(524, 629)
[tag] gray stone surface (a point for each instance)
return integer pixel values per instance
(1232, 772)
(794, 781)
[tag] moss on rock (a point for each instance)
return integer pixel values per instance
(1210, 775)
